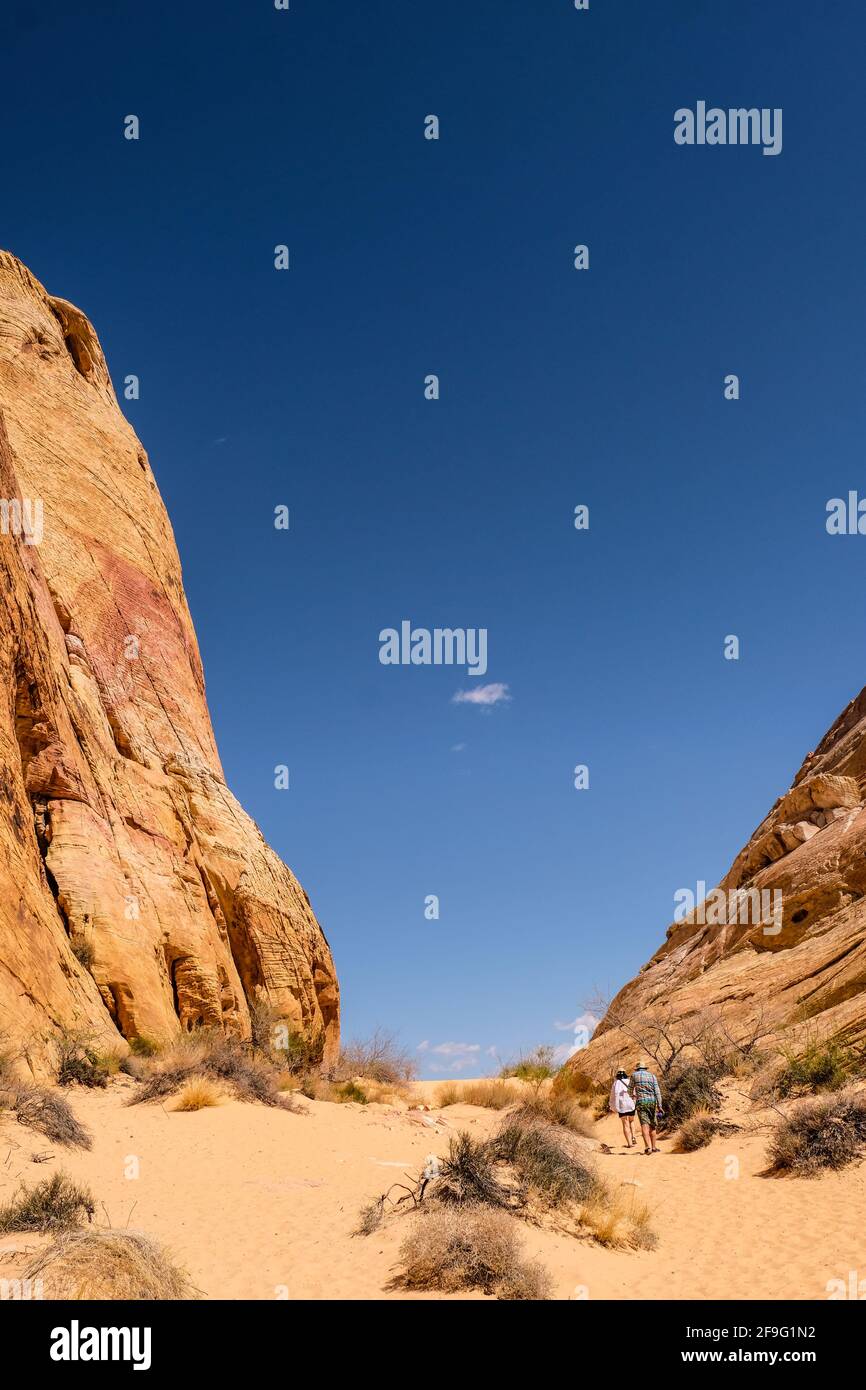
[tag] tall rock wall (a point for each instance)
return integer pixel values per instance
(802, 961)
(120, 843)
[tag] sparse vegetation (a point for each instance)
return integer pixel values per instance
(820, 1066)
(82, 951)
(55, 1204)
(492, 1095)
(697, 1131)
(544, 1160)
(537, 1065)
(79, 1062)
(349, 1091)
(49, 1113)
(556, 1109)
(199, 1093)
(108, 1265)
(619, 1221)
(690, 1087)
(211, 1053)
(468, 1174)
(377, 1058)
(450, 1250)
(143, 1047)
(829, 1132)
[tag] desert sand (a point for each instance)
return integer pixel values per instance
(261, 1204)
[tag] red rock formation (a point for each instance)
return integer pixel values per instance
(118, 835)
(808, 966)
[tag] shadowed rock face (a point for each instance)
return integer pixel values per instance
(117, 831)
(810, 849)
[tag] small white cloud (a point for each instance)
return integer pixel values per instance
(457, 747)
(423, 1046)
(457, 1055)
(494, 694)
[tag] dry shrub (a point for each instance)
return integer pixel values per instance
(468, 1174)
(820, 1066)
(50, 1114)
(544, 1161)
(492, 1095)
(619, 1221)
(819, 1134)
(54, 1204)
(556, 1109)
(690, 1087)
(697, 1131)
(108, 1265)
(452, 1249)
(379, 1057)
(198, 1093)
(211, 1053)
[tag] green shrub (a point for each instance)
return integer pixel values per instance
(55, 1204)
(536, 1065)
(688, 1089)
(821, 1066)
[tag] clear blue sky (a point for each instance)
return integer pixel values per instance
(557, 387)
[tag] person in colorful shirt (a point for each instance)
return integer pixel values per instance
(646, 1093)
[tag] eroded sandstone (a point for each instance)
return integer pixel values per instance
(120, 843)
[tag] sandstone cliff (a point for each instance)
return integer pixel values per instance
(807, 966)
(120, 844)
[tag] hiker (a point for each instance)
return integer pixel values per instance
(646, 1093)
(622, 1104)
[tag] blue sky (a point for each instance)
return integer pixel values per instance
(558, 387)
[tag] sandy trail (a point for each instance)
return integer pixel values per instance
(260, 1204)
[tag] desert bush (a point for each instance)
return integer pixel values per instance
(690, 1087)
(198, 1093)
(468, 1174)
(555, 1109)
(349, 1092)
(54, 1204)
(50, 1114)
(542, 1157)
(378, 1058)
(536, 1065)
(142, 1046)
(820, 1066)
(211, 1053)
(469, 1248)
(697, 1131)
(79, 1062)
(829, 1132)
(108, 1265)
(82, 951)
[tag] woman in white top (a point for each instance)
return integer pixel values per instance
(622, 1104)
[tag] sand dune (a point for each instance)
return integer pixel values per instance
(261, 1204)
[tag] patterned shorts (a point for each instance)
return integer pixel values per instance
(646, 1113)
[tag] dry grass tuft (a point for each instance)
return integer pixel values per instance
(545, 1160)
(199, 1093)
(492, 1095)
(379, 1058)
(54, 1204)
(108, 1265)
(469, 1248)
(697, 1131)
(619, 1221)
